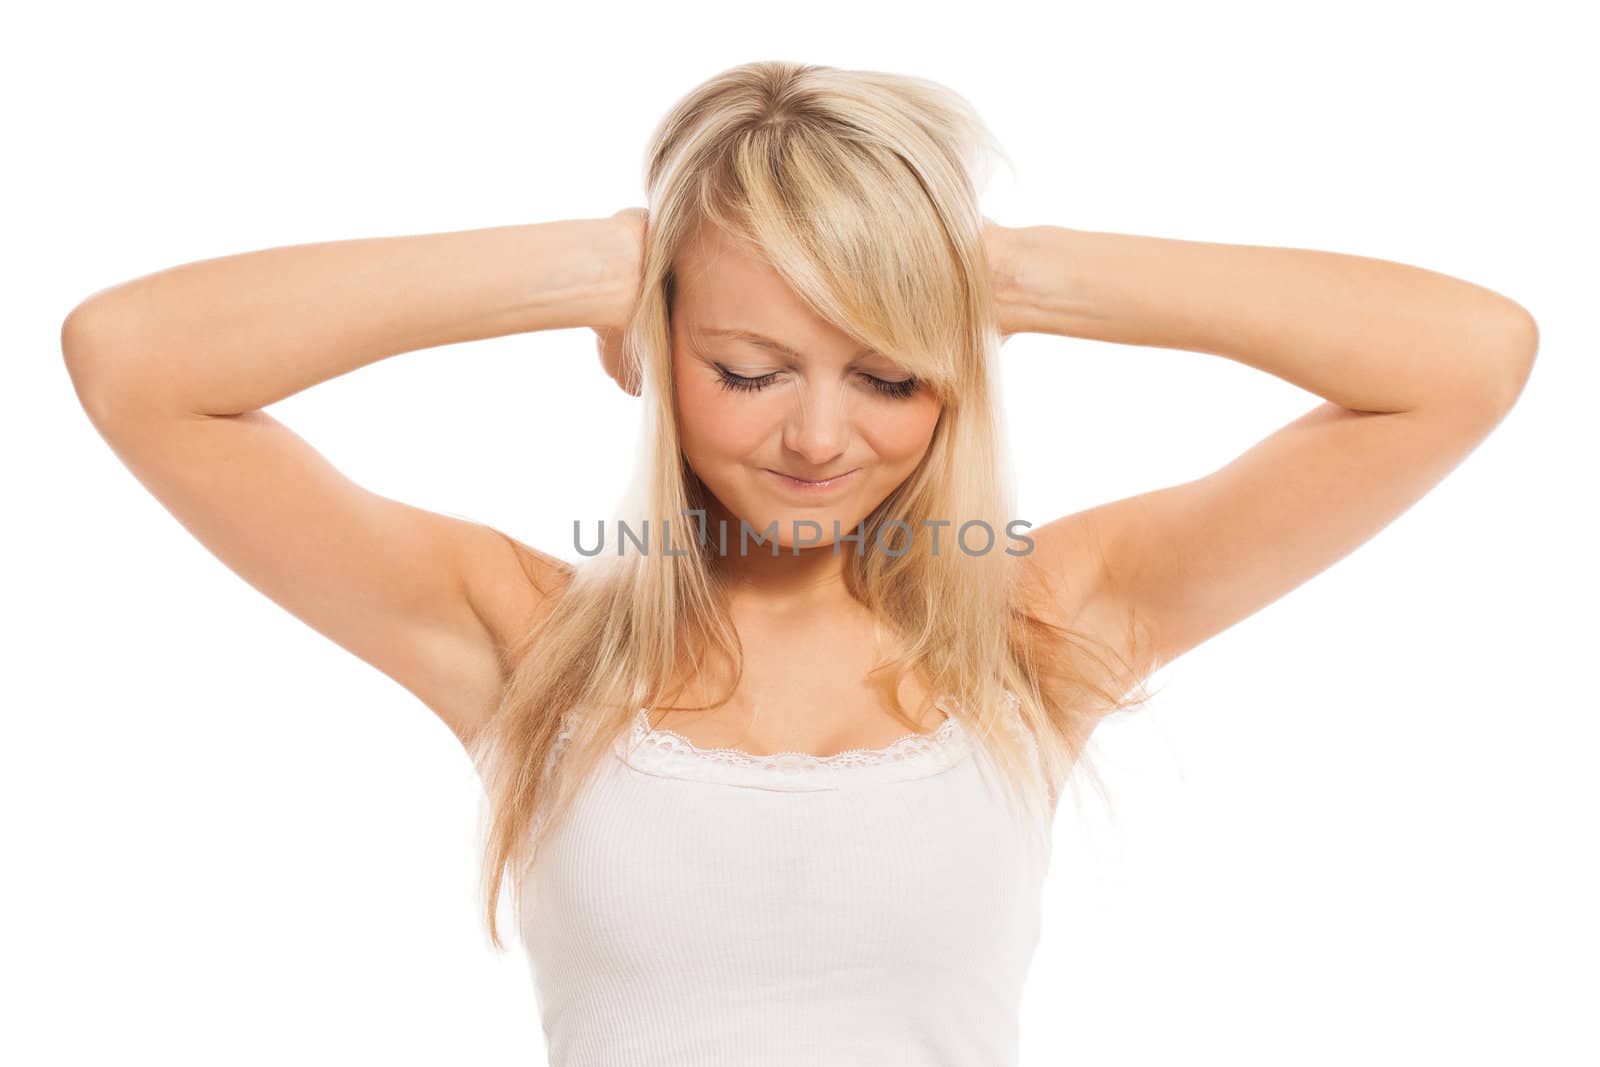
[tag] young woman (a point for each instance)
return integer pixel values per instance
(774, 779)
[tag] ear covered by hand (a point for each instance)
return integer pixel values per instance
(625, 261)
(1000, 246)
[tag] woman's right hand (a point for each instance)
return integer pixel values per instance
(628, 259)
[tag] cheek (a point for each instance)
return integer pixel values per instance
(716, 423)
(900, 436)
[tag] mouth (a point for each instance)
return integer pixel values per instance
(811, 485)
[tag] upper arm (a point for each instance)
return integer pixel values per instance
(1187, 561)
(425, 598)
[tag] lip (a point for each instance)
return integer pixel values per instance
(812, 488)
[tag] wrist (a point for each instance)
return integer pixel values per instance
(1038, 293)
(621, 252)
(1012, 252)
(574, 274)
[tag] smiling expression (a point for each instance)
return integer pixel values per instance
(783, 416)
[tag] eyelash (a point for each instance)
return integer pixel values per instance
(737, 383)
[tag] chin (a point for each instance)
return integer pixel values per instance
(786, 515)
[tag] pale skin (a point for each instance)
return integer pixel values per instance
(819, 412)
(1415, 369)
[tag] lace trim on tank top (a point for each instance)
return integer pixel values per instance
(669, 754)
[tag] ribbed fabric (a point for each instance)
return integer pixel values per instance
(713, 908)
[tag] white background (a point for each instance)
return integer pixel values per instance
(1358, 827)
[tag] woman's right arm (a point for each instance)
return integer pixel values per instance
(173, 369)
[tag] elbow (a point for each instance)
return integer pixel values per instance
(79, 331)
(91, 346)
(75, 334)
(1496, 362)
(1518, 352)
(86, 333)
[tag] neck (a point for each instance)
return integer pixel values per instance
(788, 581)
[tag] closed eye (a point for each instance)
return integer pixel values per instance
(739, 383)
(731, 381)
(899, 390)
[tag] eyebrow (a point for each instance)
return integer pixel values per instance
(751, 337)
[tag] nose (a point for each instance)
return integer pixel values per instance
(819, 428)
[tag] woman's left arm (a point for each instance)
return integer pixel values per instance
(1416, 368)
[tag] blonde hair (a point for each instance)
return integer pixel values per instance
(861, 188)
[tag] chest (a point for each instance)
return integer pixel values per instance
(811, 690)
(880, 913)
(874, 883)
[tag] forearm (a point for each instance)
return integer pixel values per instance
(240, 332)
(1367, 334)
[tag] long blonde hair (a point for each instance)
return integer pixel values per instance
(861, 188)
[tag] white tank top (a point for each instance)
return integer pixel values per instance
(709, 907)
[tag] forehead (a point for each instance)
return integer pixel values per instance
(719, 277)
(726, 286)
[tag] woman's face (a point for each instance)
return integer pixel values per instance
(807, 402)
